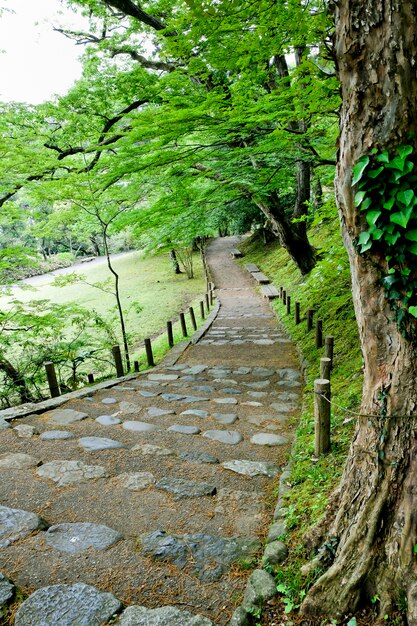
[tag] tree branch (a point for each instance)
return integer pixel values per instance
(144, 62)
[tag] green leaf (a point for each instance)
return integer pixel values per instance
(359, 169)
(402, 218)
(391, 238)
(411, 235)
(383, 157)
(389, 280)
(352, 621)
(365, 247)
(375, 173)
(398, 163)
(389, 204)
(412, 248)
(406, 197)
(376, 233)
(413, 311)
(364, 237)
(372, 216)
(366, 204)
(359, 196)
(404, 151)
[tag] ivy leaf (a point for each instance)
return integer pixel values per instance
(412, 248)
(389, 204)
(366, 204)
(383, 157)
(404, 151)
(402, 218)
(375, 173)
(406, 197)
(411, 235)
(398, 163)
(413, 311)
(389, 280)
(359, 169)
(359, 196)
(376, 233)
(391, 238)
(372, 216)
(364, 237)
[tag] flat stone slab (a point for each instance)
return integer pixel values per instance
(182, 488)
(225, 418)
(108, 420)
(129, 407)
(148, 448)
(231, 390)
(162, 377)
(259, 384)
(252, 468)
(289, 374)
(148, 394)
(209, 556)
(17, 460)
(172, 397)
(189, 399)
(6, 590)
(4, 424)
(70, 472)
(198, 457)
(16, 524)
(266, 439)
(67, 605)
(288, 384)
(66, 416)
(184, 430)
(195, 369)
(140, 427)
(75, 538)
(195, 412)
(109, 401)
(94, 444)
(162, 616)
(136, 481)
(25, 431)
(283, 407)
(203, 388)
(242, 370)
(51, 435)
(155, 411)
(225, 400)
(230, 437)
(263, 371)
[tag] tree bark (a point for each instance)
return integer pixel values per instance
(375, 525)
(18, 381)
(174, 261)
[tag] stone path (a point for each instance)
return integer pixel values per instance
(157, 491)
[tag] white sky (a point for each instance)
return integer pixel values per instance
(36, 62)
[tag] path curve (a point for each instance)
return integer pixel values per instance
(157, 489)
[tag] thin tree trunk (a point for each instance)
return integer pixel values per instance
(174, 261)
(18, 381)
(375, 525)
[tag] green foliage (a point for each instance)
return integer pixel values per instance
(387, 199)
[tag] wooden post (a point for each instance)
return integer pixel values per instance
(193, 320)
(319, 333)
(284, 297)
(170, 335)
(52, 379)
(90, 378)
(136, 366)
(310, 314)
(183, 325)
(149, 354)
(207, 302)
(321, 416)
(211, 297)
(297, 313)
(329, 348)
(288, 305)
(281, 290)
(325, 367)
(202, 310)
(117, 356)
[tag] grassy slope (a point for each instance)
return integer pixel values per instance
(327, 290)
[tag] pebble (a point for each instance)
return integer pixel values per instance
(266, 439)
(93, 444)
(77, 537)
(184, 430)
(109, 401)
(230, 437)
(51, 435)
(140, 427)
(70, 472)
(108, 420)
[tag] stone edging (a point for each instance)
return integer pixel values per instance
(171, 358)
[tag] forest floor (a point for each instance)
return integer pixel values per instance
(160, 490)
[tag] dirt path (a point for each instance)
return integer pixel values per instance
(159, 490)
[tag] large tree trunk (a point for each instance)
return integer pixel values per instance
(375, 525)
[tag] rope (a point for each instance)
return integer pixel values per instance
(367, 415)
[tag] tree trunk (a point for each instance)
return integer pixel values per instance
(174, 261)
(292, 237)
(375, 525)
(18, 381)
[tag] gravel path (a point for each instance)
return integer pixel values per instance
(158, 491)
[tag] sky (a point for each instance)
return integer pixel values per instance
(36, 62)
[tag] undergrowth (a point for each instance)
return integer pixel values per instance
(327, 290)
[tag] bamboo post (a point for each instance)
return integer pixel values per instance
(284, 297)
(288, 305)
(117, 356)
(193, 320)
(325, 367)
(319, 333)
(183, 325)
(170, 335)
(321, 416)
(329, 348)
(310, 314)
(281, 290)
(136, 366)
(52, 379)
(90, 378)
(202, 310)
(211, 297)
(149, 353)
(297, 317)
(206, 297)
